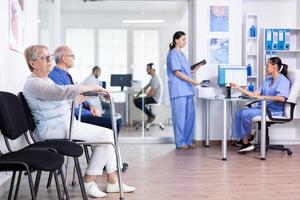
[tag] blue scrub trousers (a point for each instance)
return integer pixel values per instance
(242, 123)
(183, 117)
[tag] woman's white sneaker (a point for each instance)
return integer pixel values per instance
(112, 188)
(93, 190)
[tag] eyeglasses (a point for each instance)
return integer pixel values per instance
(73, 56)
(44, 58)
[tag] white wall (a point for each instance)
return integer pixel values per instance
(209, 72)
(272, 13)
(13, 69)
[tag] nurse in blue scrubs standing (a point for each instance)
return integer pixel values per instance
(181, 91)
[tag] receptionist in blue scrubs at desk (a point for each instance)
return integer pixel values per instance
(181, 91)
(275, 89)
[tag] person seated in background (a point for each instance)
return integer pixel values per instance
(104, 119)
(90, 114)
(93, 78)
(275, 89)
(51, 113)
(153, 91)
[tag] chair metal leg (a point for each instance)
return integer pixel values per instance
(11, 188)
(86, 152)
(33, 194)
(74, 177)
(80, 180)
(57, 185)
(49, 179)
(64, 184)
(37, 181)
(18, 185)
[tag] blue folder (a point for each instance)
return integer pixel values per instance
(268, 39)
(275, 39)
(287, 39)
(281, 39)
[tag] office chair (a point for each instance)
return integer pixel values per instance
(151, 124)
(154, 123)
(13, 124)
(62, 146)
(289, 108)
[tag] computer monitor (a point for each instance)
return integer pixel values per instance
(102, 84)
(121, 80)
(232, 74)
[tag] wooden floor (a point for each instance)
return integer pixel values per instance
(160, 172)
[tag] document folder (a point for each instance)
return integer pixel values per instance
(275, 39)
(281, 39)
(268, 39)
(287, 36)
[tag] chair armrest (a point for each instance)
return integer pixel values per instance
(95, 143)
(249, 105)
(280, 119)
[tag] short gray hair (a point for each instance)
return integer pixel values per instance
(60, 52)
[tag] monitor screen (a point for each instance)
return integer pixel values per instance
(121, 80)
(232, 74)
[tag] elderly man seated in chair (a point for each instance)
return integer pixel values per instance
(152, 91)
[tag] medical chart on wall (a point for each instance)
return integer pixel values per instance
(219, 18)
(16, 24)
(218, 51)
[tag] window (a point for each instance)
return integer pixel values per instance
(82, 42)
(112, 53)
(145, 50)
(44, 37)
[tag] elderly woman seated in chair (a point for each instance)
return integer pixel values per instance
(275, 89)
(51, 113)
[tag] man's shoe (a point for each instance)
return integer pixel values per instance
(246, 148)
(93, 190)
(151, 119)
(113, 188)
(124, 167)
(192, 146)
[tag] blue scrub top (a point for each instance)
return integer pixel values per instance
(176, 60)
(281, 87)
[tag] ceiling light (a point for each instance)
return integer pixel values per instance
(143, 21)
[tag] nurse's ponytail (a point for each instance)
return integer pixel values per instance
(282, 68)
(176, 36)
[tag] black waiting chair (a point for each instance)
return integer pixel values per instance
(289, 107)
(13, 124)
(62, 146)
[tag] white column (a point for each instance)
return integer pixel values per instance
(54, 24)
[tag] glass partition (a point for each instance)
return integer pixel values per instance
(121, 38)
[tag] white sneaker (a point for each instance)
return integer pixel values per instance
(112, 188)
(93, 190)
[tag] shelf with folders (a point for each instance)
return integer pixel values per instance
(251, 47)
(283, 43)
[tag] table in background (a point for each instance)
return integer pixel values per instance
(224, 108)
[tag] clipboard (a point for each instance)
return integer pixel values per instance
(201, 63)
